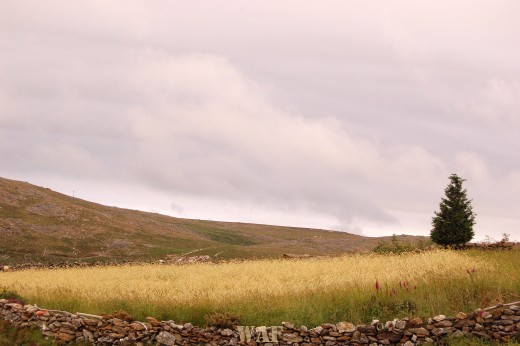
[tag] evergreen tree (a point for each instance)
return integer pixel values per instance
(453, 223)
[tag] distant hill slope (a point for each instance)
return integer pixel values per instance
(38, 224)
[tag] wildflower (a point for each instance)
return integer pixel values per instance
(377, 285)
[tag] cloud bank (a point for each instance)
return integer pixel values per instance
(340, 117)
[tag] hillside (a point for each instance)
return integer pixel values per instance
(38, 224)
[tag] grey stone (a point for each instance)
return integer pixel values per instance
(439, 318)
(346, 327)
(166, 338)
(226, 332)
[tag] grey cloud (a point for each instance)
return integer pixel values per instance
(354, 113)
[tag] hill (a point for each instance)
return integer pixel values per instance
(41, 225)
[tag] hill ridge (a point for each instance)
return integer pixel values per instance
(39, 224)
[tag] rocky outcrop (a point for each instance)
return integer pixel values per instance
(499, 323)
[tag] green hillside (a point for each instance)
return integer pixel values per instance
(38, 224)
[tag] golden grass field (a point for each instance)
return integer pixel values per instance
(310, 292)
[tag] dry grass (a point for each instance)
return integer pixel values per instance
(267, 291)
(221, 283)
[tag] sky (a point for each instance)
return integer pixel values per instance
(339, 115)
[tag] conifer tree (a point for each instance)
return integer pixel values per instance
(453, 223)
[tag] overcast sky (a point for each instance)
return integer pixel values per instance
(340, 115)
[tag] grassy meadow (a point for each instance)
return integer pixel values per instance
(267, 292)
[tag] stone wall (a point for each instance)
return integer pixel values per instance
(500, 323)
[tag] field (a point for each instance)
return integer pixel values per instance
(267, 292)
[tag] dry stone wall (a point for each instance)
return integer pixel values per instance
(500, 323)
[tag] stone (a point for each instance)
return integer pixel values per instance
(292, 338)
(440, 331)
(408, 343)
(400, 324)
(116, 336)
(188, 327)
(363, 339)
(486, 315)
(389, 325)
(439, 318)
(345, 327)
(504, 322)
(415, 322)
(419, 331)
(66, 337)
(87, 334)
(391, 337)
(457, 334)
(317, 330)
(226, 332)
(152, 321)
(328, 326)
(443, 324)
(461, 316)
(372, 339)
(165, 338)
(137, 326)
(368, 330)
(288, 325)
(496, 314)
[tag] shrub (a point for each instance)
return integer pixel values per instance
(11, 296)
(397, 247)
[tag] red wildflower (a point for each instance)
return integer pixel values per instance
(377, 285)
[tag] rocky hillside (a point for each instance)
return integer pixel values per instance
(38, 224)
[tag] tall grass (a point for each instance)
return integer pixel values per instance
(267, 292)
